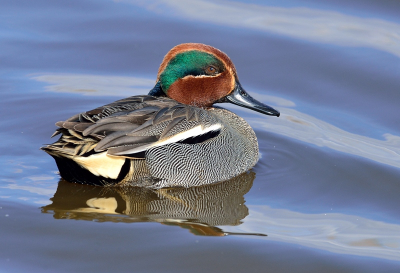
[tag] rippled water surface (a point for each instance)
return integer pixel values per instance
(324, 196)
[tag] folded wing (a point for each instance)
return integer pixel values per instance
(131, 126)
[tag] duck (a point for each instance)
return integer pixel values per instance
(172, 137)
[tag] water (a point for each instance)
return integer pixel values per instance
(325, 191)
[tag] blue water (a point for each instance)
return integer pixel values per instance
(325, 190)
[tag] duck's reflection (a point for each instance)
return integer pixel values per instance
(199, 209)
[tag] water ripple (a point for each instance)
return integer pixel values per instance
(301, 23)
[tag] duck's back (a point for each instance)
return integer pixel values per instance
(153, 142)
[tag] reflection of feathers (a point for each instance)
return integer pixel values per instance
(160, 138)
(195, 208)
(217, 204)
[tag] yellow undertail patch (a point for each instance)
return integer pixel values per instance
(101, 164)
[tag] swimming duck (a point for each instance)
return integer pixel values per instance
(173, 136)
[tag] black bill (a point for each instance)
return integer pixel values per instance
(240, 97)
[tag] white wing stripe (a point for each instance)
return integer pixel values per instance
(196, 131)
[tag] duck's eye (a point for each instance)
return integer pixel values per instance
(211, 70)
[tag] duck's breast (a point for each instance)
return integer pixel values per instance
(215, 156)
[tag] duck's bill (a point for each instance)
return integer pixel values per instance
(240, 97)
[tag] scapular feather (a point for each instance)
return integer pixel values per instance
(111, 127)
(171, 125)
(125, 140)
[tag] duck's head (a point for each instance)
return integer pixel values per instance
(201, 75)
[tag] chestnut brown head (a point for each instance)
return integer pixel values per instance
(201, 75)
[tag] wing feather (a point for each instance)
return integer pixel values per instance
(131, 125)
